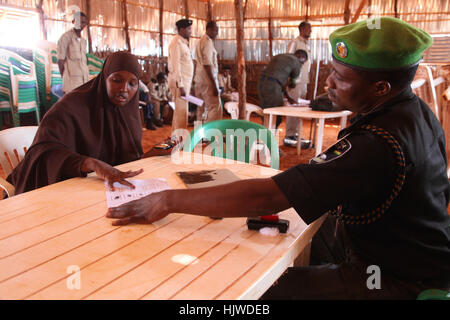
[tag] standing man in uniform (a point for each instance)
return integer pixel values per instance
(72, 61)
(301, 85)
(383, 185)
(282, 71)
(206, 71)
(181, 71)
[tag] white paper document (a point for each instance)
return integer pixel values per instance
(192, 99)
(172, 105)
(123, 194)
(303, 101)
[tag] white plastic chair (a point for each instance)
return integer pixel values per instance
(14, 142)
(233, 109)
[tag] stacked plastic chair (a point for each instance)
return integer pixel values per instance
(24, 85)
(48, 75)
(5, 90)
(41, 62)
(95, 65)
(56, 78)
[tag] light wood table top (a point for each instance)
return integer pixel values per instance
(56, 243)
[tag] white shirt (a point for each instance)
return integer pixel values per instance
(300, 43)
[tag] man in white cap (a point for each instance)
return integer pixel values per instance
(181, 71)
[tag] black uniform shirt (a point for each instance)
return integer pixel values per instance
(386, 180)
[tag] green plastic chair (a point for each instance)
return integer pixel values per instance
(5, 90)
(95, 64)
(24, 85)
(434, 294)
(235, 131)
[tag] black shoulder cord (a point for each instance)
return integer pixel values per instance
(377, 213)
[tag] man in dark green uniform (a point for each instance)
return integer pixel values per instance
(283, 70)
(383, 184)
(274, 78)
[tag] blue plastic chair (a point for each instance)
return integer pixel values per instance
(240, 136)
(57, 91)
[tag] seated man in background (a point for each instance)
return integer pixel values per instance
(383, 185)
(160, 96)
(144, 97)
(228, 93)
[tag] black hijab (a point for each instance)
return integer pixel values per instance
(84, 123)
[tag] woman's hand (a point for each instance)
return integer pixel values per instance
(108, 173)
(145, 210)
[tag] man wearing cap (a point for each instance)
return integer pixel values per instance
(301, 84)
(206, 70)
(181, 71)
(72, 60)
(383, 185)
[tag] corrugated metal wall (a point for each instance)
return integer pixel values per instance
(107, 22)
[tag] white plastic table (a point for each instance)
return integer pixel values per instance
(306, 112)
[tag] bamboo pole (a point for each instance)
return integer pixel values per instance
(88, 27)
(270, 31)
(186, 9)
(161, 28)
(41, 18)
(358, 11)
(396, 9)
(347, 12)
(307, 10)
(125, 19)
(239, 13)
(210, 17)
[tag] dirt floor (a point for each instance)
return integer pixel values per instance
(288, 155)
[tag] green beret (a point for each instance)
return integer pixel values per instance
(387, 43)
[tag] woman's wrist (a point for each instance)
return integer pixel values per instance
(88, 165)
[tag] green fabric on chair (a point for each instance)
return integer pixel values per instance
(434, 294)
(234, 132)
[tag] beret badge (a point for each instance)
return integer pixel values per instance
(341, 50)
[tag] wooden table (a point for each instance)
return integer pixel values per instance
(307, 113)
(56, 243)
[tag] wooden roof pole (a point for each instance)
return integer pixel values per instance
(239, 13)
(41, 18)
(347, 12)
(125, 19)
(186, 9)
(161, 28)
(88, 27)
(270, 31)
(358, 11)
(307, 10)
(396, 8)
(209, 11)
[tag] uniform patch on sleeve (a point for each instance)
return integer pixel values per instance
(332, 153)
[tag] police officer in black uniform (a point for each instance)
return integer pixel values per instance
(383, 185)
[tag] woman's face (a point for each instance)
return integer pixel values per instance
(121, 87)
